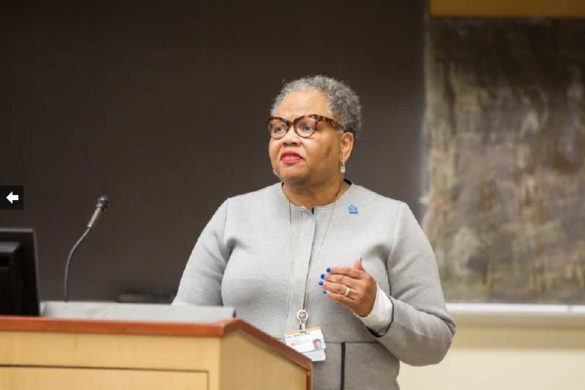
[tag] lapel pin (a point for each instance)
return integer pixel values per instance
(352, 209)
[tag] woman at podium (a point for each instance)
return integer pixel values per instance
(339, 272)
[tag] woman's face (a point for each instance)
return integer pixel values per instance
(314, 160)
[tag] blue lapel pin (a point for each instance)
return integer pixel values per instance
(352, 209)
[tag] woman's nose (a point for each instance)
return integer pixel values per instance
(291, 136)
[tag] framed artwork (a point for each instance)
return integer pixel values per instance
(505, 158)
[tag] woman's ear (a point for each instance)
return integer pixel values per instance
(346, 146)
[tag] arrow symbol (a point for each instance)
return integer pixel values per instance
(12, 197)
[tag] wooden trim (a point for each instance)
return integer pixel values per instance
(45, 324)
(217, 329)
(509, 8)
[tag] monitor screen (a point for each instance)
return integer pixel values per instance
(18, 272)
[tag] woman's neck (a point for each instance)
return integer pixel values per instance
(318, 195)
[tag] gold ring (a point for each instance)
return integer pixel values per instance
(347, 291)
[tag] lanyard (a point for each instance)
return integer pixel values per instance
(303, 314)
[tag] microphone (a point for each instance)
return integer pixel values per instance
(102, 203)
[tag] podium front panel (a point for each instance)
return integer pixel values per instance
(47, 378)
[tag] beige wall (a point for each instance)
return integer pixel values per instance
(512, 351)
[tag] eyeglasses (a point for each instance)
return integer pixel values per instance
(304, 125)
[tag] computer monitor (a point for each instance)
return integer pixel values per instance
(18, 272)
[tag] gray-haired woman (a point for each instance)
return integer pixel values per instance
(316, 250)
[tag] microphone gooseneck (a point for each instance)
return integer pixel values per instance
(102, 203)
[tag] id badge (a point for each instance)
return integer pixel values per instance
(309, 342)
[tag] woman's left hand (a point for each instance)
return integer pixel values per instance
(363, 287)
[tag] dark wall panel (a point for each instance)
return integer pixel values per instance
(160, 106)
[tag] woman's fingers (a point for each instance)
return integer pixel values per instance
(351, 272)
(341, 299)
(340, 289)
(341, 279)
(363, 288)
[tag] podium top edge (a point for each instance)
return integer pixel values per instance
(92, 326)
(67, 325)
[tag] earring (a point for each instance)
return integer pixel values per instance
(275, 174)
(342, 168)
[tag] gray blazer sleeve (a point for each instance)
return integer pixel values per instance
(201, 280)
(420, 331)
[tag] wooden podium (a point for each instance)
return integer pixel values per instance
(60, 354)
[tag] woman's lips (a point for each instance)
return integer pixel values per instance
(290, 157)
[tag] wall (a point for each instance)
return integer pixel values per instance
(507, 8)
(161, 107)
(515, 351)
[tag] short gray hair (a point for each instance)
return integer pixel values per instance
(344, 103)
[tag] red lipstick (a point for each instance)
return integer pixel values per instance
(290, 157)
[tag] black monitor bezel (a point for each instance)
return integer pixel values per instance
(26, 236)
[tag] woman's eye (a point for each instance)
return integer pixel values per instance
(276, 129)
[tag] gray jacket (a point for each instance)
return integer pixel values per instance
(257, 254)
